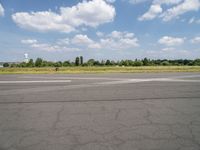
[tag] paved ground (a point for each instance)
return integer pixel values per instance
(100, 112)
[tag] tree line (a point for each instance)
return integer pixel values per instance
(39, 62)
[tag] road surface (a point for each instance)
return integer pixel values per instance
(100, 112)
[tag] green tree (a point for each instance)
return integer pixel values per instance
(145, 62)
(165, 63)
(45, 63)
(77, 62)
(81, 60)
(97, 63)
(6, 65)
(138, 63)
(66, 63)
(38, 62)
(30, 63)
(107, 62)
(13, 65)
(23, 64)
(196, 62)
(90, 62)
(58, 64)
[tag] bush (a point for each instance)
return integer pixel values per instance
(6, 65)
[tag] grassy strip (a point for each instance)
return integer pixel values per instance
(71, 70)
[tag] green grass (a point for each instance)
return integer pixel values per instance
(72, 70)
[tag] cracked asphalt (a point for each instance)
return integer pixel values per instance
(100, 112)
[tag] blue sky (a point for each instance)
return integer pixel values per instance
(101, 29)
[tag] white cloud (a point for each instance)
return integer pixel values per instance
(94, 46)
(87, 13)
(1, 10)
(168, 49)
(29, 41)
(99, 34)
(41, 21)
(196, 40)
(84, 40)
(116, 34)
(137, 1)
(110, 1)
(176, 11)
(194, 20)
(171, 41)
(152, 13)
(115, 40)
(45, 46)
(167, 2)
(155, 9)
(119, 41)
(81, 40)
(58, 46)
(64, 41)
(179, 7)
(191, 20)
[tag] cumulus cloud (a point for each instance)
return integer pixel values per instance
(177, 8)
(176, 11)
(171, 41)
(84, 40)
(196, 40)
(155, 9)
(153, 12)
(81, 40)
(1, 10)
(115, 40)
(87, 13)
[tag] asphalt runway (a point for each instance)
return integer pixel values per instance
(143, 111)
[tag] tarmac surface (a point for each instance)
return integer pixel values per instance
(100, 112)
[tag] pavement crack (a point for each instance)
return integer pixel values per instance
(117, 114)
(58, 116)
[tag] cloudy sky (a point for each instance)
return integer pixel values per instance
(100, 29)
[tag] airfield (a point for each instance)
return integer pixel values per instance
(130, 111)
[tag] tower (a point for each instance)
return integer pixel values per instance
(26, 59)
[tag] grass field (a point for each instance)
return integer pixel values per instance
(147, 69)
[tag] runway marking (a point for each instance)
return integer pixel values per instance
(86, 85)
(147, 80)
(39, 81)
(122, 80)
(76, 78)
(186, 76)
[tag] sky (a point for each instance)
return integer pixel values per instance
(101, 29)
